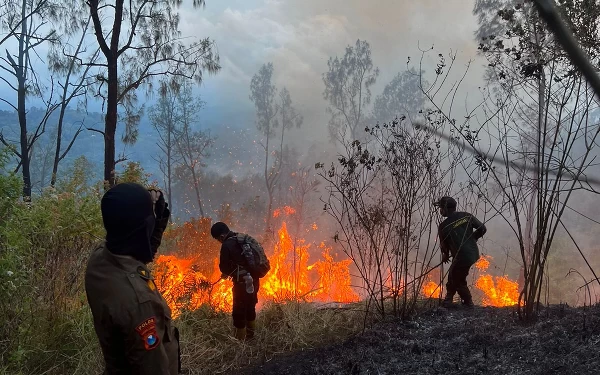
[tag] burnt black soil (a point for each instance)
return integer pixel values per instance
(563, 340)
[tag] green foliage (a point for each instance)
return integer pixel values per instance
(133, 172)
(402, 96)
(78, 181)
(10, 186)
(44, 249)
(348, 83)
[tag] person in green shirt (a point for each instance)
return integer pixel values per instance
(458, 235)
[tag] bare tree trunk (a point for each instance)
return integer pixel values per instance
(197, 190)
(268, 185)
(169, 172)
(280, 166)
(110, 126)
(61, 117)
(21, 72)
(112, 55)
(536, 268)
(65, 103)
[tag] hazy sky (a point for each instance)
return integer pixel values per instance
(300, 36)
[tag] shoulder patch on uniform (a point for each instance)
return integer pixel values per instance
(460, 222)
(147, 330)
(142, 271)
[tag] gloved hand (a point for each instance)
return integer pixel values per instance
(161, 214)
(159, 203)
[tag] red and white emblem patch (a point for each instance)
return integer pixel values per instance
(147, 330)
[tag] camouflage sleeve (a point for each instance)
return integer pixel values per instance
(479, 228)
(145, 349)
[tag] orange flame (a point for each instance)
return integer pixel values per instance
(291, 277)
(183, 286)
(483, 263)
(504, 292)
(498, 291)
(284, 210)
(431, 289)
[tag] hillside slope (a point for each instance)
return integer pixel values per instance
(459, 341)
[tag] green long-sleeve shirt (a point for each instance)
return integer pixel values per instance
(458, 237)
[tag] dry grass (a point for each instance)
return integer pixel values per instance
(69, 345)
(209, 348)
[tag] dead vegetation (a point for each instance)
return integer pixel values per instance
(208, 346)
(484, 340)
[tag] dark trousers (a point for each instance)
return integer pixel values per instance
(244, 304)
(457, 281)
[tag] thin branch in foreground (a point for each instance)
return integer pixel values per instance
(500, 160)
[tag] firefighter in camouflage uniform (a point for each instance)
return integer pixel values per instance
(458, 235)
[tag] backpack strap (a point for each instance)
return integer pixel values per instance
(240, 239)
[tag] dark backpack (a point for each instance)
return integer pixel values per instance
(257, 262)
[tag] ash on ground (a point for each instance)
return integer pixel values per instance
(490, 340)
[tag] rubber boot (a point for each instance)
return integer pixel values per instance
(240, 333)
(465, 296)
(448, 301)
(250, 327)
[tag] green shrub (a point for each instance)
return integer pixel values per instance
(45, 323)
(45, 245)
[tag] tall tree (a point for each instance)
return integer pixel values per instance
(41, 161)
(490, 21)
(142, 43)
(164, 116)
(348, 90)
(74, 78)
(192, 145)
(262, 94)
(290, 118)
(539, 126)
(12, 21)
(402, 96)
(27, 24)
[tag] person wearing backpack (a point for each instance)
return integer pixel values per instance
(242, 259)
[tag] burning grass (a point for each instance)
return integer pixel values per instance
(186, 284)
(498, 291)
(502, 292)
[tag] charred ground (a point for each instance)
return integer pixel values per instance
(564, 340)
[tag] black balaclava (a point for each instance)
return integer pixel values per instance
(129, 221)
